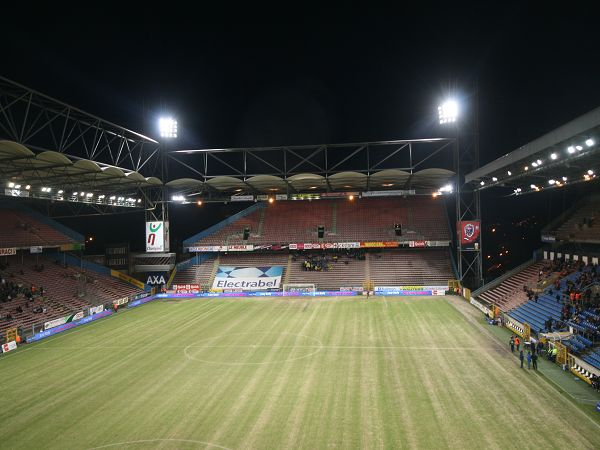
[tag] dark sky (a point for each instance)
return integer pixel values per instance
(292, 76)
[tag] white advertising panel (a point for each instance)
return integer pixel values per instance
(157, 236)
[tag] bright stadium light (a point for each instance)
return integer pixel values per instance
(509, 173)
(579, 147)
(28, 187)
(167, 127)
(534, 164)
(590, 172)
(60, 191)
(564, 178)
(11, 185)
(571, 149)
(551, 182)
(482, 182)
(553, 156)
(494, 179)
(589, 142)
(448, 111)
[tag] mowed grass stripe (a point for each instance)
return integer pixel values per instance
(413, 374)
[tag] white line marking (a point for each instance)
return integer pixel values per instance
(143, 441)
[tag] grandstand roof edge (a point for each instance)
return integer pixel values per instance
(576, 126)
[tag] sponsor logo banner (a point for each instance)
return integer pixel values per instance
(186, 288)
(417, 244)
(388, 244)
(8, 251)
(248, 278)
(281, 197)
(16, 193)
(322, 245)
(9, 346)
(155, 280)
(240, 248)
(260, 294)
(208, 248)
(35, 249)
(56, 322)
(548, 238)
(157, 236)
(126, 278)
(242, 198)
(409, 288)
(468, 234)
(392, 193)
(121, 301)
(67, 326)
(96, 309)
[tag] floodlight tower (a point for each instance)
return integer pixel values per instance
(157, 205)
(466, 159)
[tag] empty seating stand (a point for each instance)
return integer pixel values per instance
(509, 293)
(367, 219)
(18, 229)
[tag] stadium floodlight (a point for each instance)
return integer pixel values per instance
(448, 111)
(60, 191)
(526, 168)
(112, 197)
(494, 179)
(551, 182)
(509, 173)
(589, 142)
(351, 197)
(11, 185)
(271, 199)
(17, 186)
(571, 149)
(28, 187)
(167, 127)
(139, 200)
(447, 188)
(590, 172)
(534, 164)
(199, 203)
(564, 178)
(553, 156)
(539, 162)
(579, 147)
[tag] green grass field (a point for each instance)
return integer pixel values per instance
(277, 374)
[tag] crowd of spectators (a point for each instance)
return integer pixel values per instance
(12, 288)
(325, 261)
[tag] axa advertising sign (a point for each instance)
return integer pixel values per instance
(157, 236)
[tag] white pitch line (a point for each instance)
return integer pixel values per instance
(144, 441)
(334, 347)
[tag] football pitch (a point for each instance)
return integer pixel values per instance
(339, 373)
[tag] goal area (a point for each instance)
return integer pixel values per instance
(298, 288)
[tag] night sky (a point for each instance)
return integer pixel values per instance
(292, 76)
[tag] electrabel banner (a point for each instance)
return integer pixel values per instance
(248, 278)
(468, 234)
(157, 236)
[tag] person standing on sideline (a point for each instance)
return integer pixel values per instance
(512, 344)
(529, 360)
(517, 342)
(521, 357)
(534, 358)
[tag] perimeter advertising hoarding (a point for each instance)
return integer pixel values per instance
(157, 236)
(248, 278)
(8, 251)
(468, 234)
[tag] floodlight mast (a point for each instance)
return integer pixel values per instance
(467, 200)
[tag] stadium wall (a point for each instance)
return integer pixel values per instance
(195, 238)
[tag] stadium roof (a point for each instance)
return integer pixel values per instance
(54, 175)
(383, 165)
(569, 154)
(389, 179)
